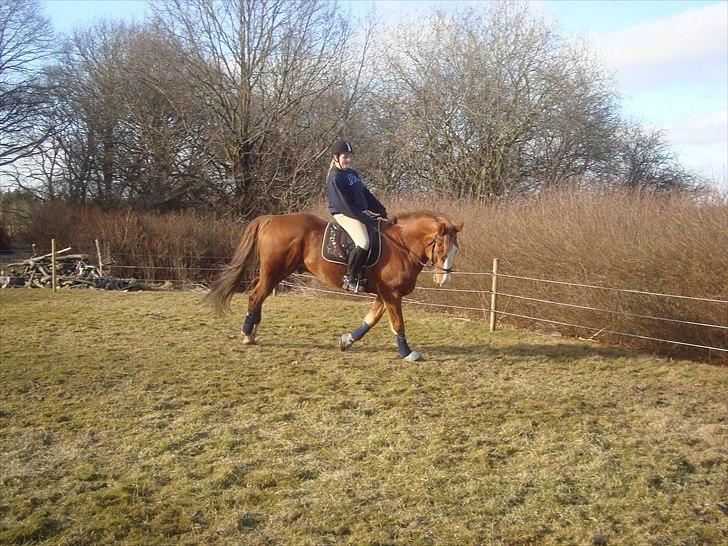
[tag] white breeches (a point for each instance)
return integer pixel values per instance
(356, 230)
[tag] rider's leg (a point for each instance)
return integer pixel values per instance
(358, 233)
(353, 273)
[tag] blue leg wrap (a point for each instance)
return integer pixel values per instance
(357, 334)
(251, 319)
(402, 346)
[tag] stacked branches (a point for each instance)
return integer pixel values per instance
(71, 271)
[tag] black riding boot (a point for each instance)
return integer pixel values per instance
(351, 280)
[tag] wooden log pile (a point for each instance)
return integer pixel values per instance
(72, 271)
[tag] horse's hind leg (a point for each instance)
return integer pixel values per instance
(254, 314)
(274, 267)
(375, 313)
(258, 293)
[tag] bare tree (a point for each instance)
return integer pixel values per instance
(492, 102)
(118, 139)
(644, 160)
(25, 43)
(275, 81)
(89, 82)
(163, 146)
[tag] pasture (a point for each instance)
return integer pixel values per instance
(141, 418)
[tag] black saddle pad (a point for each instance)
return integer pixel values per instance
(337, 244)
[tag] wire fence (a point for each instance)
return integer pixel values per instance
(600, 330)
(454, 273)
(623, 290)
(198, 276)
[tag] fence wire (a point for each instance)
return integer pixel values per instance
(627, 290)
(484, 310)
(539, 319)
(620, 313)
(605, 331)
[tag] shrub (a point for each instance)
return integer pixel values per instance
(183, 246)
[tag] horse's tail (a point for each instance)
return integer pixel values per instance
(235, 273)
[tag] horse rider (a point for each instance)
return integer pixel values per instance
(353, 207)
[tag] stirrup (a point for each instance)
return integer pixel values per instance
(353, 286)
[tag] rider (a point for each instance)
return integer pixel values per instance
(353, 207)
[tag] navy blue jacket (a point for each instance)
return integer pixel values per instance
(349, 196)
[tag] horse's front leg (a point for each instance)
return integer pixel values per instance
(396, 321)
(375, 313)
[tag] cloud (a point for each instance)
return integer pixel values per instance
(689, 47)
(701, 130)
(701, 143)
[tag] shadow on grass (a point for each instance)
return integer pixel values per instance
(560, 352)
(333, 348)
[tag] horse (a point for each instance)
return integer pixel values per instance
(288, 243)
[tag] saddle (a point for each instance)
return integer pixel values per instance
(338, 245)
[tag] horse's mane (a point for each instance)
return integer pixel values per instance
(416, 215)
(421, 215)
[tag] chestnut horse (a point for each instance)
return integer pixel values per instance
(291, 243)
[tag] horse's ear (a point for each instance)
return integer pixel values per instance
(459, 226)
(441, 228)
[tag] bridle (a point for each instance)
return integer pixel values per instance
(432, 244)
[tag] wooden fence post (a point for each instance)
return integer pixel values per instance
(98, 253)
(53, 264)
(493, 292)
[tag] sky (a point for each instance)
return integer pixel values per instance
(669, 58)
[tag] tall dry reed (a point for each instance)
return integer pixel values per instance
(664, 244)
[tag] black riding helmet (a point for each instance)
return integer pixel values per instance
(341, 147)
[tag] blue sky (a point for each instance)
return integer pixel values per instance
(669, 58)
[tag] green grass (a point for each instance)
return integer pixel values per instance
(141, 418)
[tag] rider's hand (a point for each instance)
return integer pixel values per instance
(373, 216)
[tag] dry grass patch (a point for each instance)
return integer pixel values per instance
(139, 417)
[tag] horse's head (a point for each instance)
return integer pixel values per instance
(442, 249)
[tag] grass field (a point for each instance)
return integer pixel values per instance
(141, 418)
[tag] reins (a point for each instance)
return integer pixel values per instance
(416, 257)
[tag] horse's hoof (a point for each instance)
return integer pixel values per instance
(414, 356)
(248, 339)
(345, 342)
